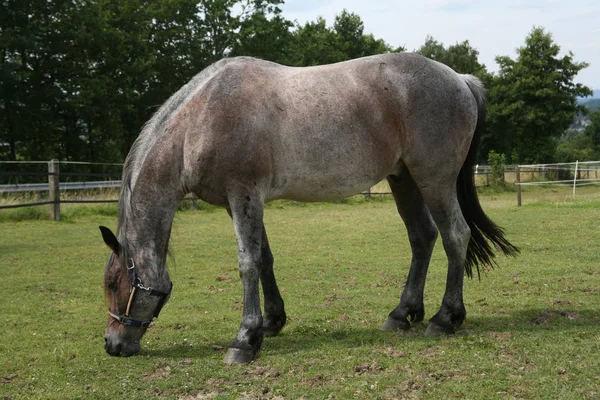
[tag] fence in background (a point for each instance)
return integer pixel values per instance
(572, 174)
(54, 186)
(562, 174)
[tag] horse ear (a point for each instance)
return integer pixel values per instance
(110, 239)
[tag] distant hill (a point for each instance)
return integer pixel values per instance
(591, 104)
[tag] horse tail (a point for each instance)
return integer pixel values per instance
(483, 230)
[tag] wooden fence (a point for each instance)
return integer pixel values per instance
(513, 174)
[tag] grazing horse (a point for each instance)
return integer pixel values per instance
(246, 131)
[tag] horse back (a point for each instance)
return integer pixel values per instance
(319, 133)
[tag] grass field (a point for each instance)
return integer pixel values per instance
(532, 329)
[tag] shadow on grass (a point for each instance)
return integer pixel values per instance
(178, 351)
(296, 339)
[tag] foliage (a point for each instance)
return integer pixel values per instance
(317, 44)
(79, 78)
(533, 100)
(265, 34)
(592, 131)
(579, 148)
(496, 162)
(582, 146)
(461, 57)
(531, 321)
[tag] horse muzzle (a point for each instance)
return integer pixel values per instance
(121, 349)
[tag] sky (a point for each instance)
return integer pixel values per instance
(493, 27)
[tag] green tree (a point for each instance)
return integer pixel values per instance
(79, 78)
(351, 40)
(264, 33)
(532, 100)
(592, 131)
(579, 148)
(316, 44)
(497, 162)
(461, 57)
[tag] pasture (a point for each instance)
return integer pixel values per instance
(532, 327)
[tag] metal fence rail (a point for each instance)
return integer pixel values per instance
(43, 187)
(55, 187)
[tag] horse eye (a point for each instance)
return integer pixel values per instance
(112, 286)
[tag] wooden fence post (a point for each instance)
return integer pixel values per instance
(54, 188)
(518, 182)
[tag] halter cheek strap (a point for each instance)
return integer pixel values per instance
(136, 284)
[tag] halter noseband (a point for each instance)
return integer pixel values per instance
(136, 283)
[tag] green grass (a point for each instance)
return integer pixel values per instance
(531, 330)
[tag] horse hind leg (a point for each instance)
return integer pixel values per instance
(442, 201)
(422, 234)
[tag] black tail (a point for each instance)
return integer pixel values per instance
(483, 230)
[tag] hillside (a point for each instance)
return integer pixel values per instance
(591, 104)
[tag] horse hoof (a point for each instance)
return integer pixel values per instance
(392, 325)
(434, 329)
(239, 356)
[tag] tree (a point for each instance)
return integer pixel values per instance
(264, 33)
(592, 131)
(79, 78)
(532, 100)
(579, 148)
(461, 57)
(316, 44)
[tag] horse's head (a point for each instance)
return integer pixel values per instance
(132, 298)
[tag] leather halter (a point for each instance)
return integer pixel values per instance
(137, 284)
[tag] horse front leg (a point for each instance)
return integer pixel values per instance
(274, 317)
(246, 211)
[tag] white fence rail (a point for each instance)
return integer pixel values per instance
(583, 174)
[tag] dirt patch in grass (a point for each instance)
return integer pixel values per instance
(160, 372)
(367, 367)
(547, 316)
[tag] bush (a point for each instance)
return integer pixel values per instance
(496, 162)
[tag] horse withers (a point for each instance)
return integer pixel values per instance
(245, 131)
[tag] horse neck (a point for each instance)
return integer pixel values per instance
(148, 216)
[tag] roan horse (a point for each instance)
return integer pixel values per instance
(246, 131)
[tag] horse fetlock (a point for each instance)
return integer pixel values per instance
(416, 314)
(446, 320)
(405, 314)
(273, 324)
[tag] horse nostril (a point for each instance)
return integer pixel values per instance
(105, 340)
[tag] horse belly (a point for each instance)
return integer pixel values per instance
(328, 177)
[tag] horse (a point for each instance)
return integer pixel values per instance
(245, 131)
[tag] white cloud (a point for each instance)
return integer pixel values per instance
(494, 27)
